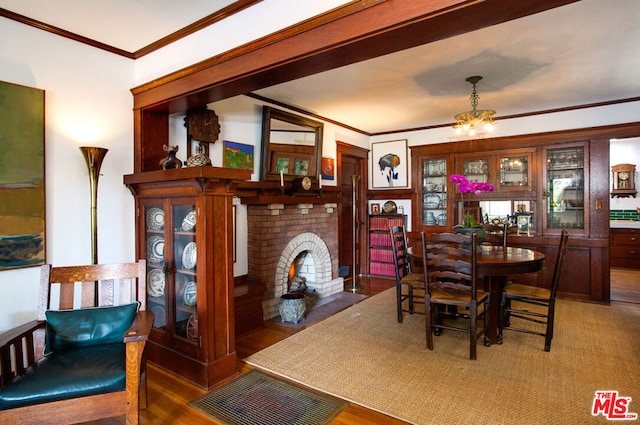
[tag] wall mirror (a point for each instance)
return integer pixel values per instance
(291, 145)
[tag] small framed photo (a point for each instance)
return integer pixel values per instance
(375, 209)
(523, 222)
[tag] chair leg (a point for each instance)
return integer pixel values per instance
(473, 319)
(428, 323)
(410, 291)
(502, 316)
(399, 301)
(549, 333)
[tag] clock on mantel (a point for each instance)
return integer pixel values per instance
(623, 177)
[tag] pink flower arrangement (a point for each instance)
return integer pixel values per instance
(464, 186)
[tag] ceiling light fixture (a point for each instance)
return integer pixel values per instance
(468, 122)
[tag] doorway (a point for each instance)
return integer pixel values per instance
(351, 161)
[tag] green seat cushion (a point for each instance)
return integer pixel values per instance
(88, 326)
(67, 374)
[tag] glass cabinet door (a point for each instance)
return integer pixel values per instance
(476, 170)
(514, 171)
(565, 188)
(434, 192)
(186, 280)
(154, 215)
(172, 282)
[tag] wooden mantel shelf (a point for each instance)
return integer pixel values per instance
(189, 173)
(264, 193)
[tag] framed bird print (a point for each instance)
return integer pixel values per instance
(389, 169)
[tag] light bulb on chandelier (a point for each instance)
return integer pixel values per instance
(468, 122)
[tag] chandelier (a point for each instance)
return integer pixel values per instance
(468, 122)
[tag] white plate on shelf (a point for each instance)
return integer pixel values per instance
(190, 294)
(189, 256)
(155, 283)
(432, 201)
(189, 222)
(155, 249)
(155, 218)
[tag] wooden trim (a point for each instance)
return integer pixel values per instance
(337, 40)
(164, 41)
(63, 33)
(217, 16)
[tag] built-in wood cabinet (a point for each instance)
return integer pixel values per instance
(625, 248)
(562, 178)
(184, 229)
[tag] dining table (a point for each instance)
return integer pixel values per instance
(496, 264)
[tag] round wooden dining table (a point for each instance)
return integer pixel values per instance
(496, 263)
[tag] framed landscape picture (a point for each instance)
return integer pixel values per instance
(237, 155)
(22, 191)
(389, 168)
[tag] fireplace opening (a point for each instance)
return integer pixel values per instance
(301, 273)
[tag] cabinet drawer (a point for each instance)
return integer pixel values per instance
(625, 252)
(626, 239)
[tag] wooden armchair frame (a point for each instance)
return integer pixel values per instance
(103, 284)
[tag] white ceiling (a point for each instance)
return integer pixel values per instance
(582, 53)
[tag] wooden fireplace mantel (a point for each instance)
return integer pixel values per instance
(264, 193)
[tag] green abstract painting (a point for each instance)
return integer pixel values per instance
(237, 155)
(22, 189)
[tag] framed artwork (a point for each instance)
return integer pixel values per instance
(523, 221)
(375, 209)
(22, 185)
(328, 169)
(237, 155)
(301, 166)
(389, 168)
(282, 164)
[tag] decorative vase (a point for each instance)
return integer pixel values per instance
(480, 231)
(292, 307)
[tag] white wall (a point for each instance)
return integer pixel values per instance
(87, 102)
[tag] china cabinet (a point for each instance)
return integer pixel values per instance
(184, 230)
(565, 179)
(380, 253)
(434, 208)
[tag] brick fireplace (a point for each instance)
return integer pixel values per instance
(282, 235)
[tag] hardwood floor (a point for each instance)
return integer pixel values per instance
(625, 285)
(169, 395)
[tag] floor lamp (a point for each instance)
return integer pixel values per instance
(94, 156)
(354, 184)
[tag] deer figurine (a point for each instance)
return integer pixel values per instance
(170, 161)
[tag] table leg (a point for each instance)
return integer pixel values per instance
(495, 285)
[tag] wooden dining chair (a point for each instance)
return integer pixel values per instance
(529, 296)
(497, 234)
(410, 286)
(451, 276)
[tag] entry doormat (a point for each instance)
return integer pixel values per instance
(256, 398)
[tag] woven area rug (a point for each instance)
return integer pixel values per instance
(363, 355)
(259, 399)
